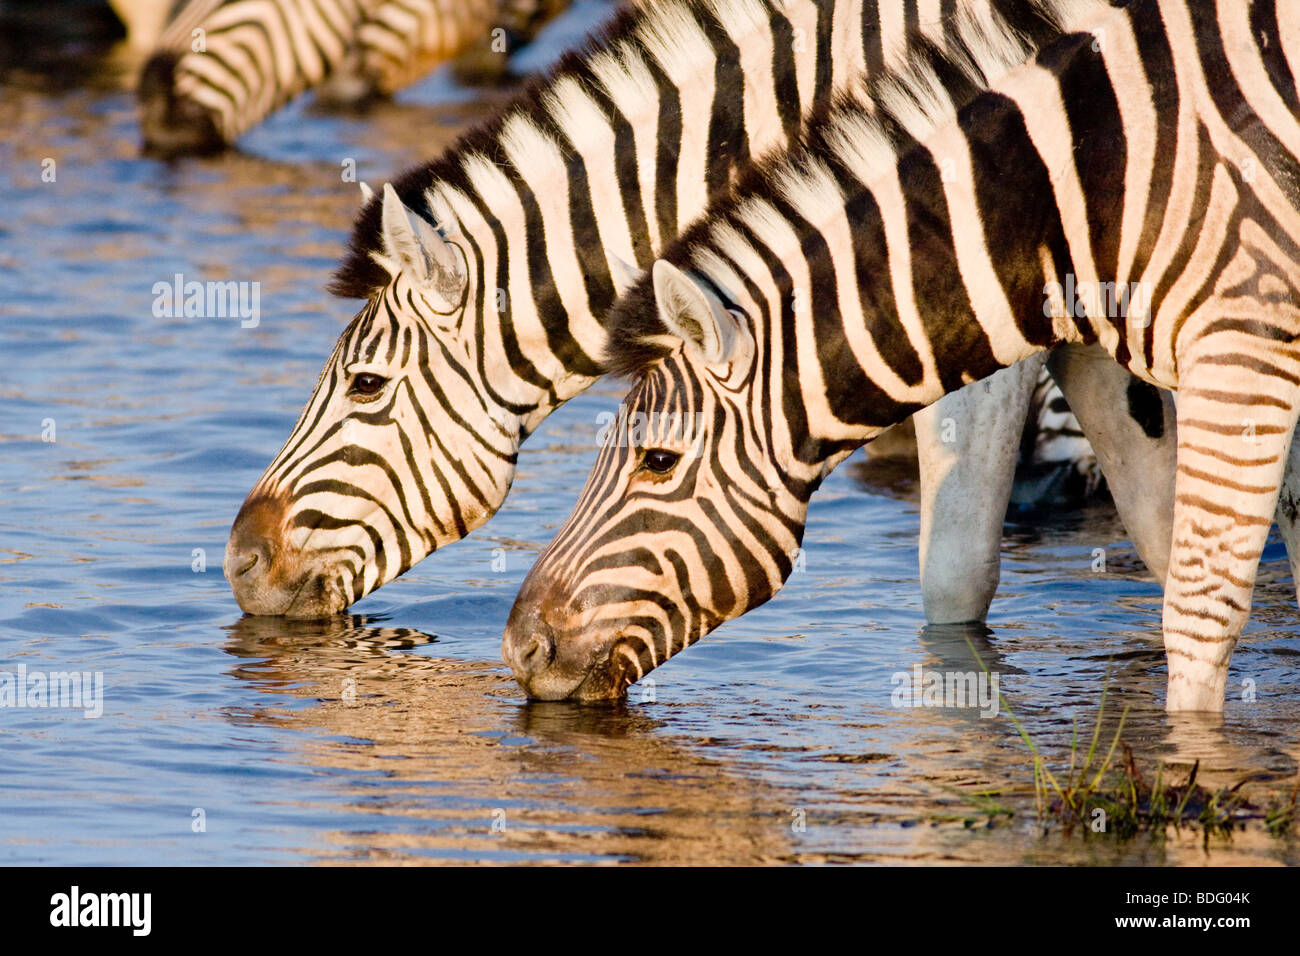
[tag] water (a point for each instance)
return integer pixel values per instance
(396, 734)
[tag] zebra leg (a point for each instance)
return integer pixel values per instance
(1233, 445)
(967, 444)
(1136, 451)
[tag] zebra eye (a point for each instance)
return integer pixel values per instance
(368, 384)
(660, 460)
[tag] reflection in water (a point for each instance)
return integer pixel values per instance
(441, 750)
(440, 759)
(892, 475)
(1224, 758)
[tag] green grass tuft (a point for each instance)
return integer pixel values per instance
(1129, 804)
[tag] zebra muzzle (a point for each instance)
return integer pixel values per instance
(268, 577)
(173, 125)
(555, 663)
(528, 646)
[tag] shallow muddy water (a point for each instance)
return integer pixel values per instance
(396, 735)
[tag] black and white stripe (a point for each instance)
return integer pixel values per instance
(476, 329)
(222, 66)
(854, 282)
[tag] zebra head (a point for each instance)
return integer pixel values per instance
(174, 124)
(692, 515)
(399, 451)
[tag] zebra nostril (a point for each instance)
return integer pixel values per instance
(529, 642)
(245, 565)
(247, 562)
(539, 652)
(255, 539)
(528, 651)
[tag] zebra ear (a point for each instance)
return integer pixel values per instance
(693, 315)
(419, 250)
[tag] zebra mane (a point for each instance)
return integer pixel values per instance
(866, 130)
(612, 59)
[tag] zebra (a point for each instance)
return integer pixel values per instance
(222, 66)
(487, 275)
(850, 283)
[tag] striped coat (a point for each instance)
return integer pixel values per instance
(488, 275)
(1135, 185)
